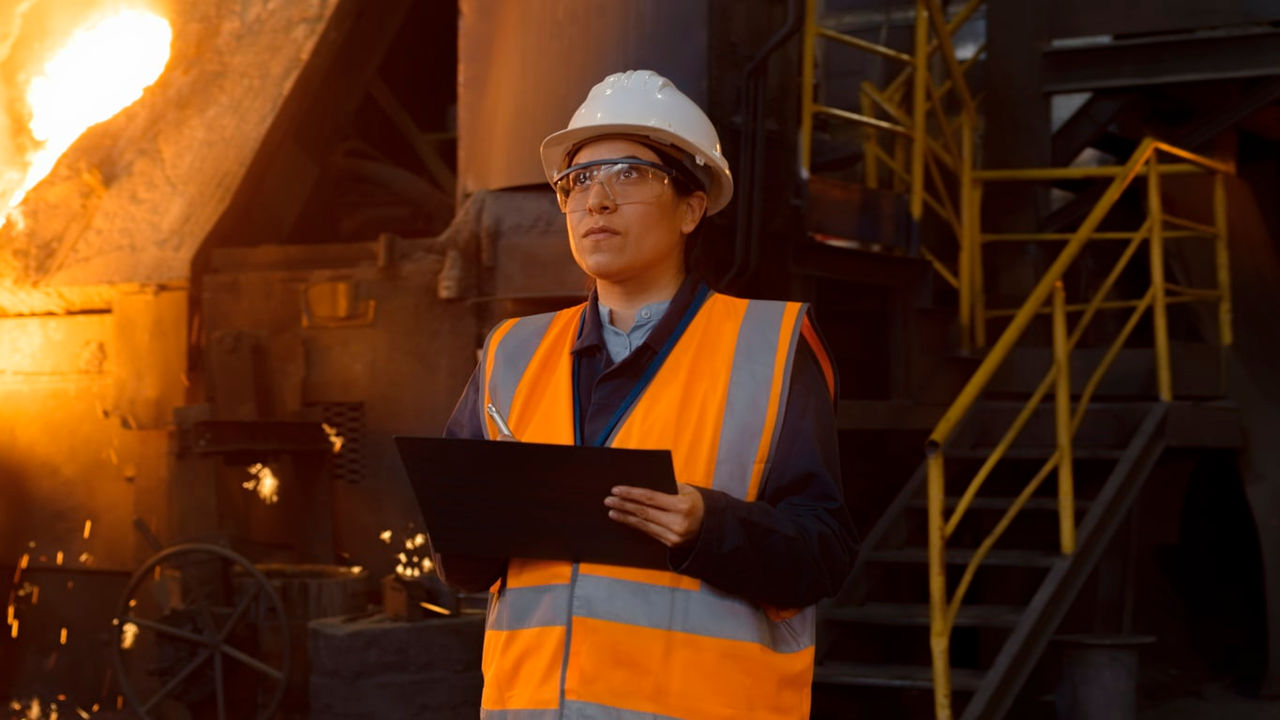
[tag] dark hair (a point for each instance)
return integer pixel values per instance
(686, 183)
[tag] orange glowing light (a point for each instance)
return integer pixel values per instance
(62, 638)
(88, 526)
(102, 69)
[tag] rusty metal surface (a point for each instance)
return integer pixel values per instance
(525, 66)
(132, 200)
(406, 366)
(84, 402)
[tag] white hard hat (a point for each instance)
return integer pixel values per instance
(643, 103)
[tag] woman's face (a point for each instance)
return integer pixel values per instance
(633, 241)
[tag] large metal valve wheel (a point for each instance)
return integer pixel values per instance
(200, 633)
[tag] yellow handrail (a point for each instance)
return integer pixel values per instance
(1049, 297)
(924, 153)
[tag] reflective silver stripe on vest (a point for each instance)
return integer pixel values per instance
(512, 358)
(747, 403)
(578, 710)
(530, 607)
(552, 714)
(785, 392)
(706, 612)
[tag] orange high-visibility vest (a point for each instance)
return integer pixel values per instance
(582, 640)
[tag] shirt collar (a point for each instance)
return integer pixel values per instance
(593, 330)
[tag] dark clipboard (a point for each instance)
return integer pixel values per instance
(485, 498)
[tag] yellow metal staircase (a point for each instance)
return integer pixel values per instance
(997, 459)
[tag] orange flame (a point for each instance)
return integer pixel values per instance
(102, 69)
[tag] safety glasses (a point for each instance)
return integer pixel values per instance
(625, 180)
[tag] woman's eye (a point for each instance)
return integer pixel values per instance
(580, 178)
(628, 173)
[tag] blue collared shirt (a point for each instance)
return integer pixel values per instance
(619, 343)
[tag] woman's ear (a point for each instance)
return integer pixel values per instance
(693, 207)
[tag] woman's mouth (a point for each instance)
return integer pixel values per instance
(599, 232)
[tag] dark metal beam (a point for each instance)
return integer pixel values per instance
(1107, 17)
(1089, 123)
(1162, 59)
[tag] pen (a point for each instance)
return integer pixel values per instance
(499, 421)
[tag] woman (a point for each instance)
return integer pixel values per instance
(739, 391)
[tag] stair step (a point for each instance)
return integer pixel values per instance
(961, 556)
(917, 614)
(911, 677)
(1002, 503)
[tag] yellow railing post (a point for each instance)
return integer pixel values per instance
(1159, 308)
(919, 118)
(870, 161)
(807, 61)
(1062, 417)
(979, 291)
(1225, 334)
(967, 239)
(939, 628)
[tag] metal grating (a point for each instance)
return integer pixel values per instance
(347, 420)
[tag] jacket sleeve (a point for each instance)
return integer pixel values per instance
(472, 574)
(796, 544)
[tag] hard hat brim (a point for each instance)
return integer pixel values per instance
(556, 147)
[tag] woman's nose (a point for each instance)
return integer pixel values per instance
(600, 199)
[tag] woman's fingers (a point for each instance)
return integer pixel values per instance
(660, 533)
(648, 497)
(678, 517)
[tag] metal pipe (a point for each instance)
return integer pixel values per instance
(1159, 311)
(1223, 261)
(1062, 418)
(858, 118)
(979, 292)
(1080, 173)
(968, 234)
(939, 628)
(861, 44)
(807, 61)
(870, 168)
(918, 116)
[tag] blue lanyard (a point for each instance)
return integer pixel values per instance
(699, 297)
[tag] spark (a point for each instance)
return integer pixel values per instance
(334, 438)
(264, 481)
(356, 569)
(419, 540)
(436, 608)
(385, 536)
(13, 629)
(62, 637)
(128, 635)
(58, 561)
(88, 526)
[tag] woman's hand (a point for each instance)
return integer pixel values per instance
(673, 520)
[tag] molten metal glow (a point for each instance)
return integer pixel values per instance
(102, 69)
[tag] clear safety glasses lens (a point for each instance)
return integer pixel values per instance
(622, 182)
